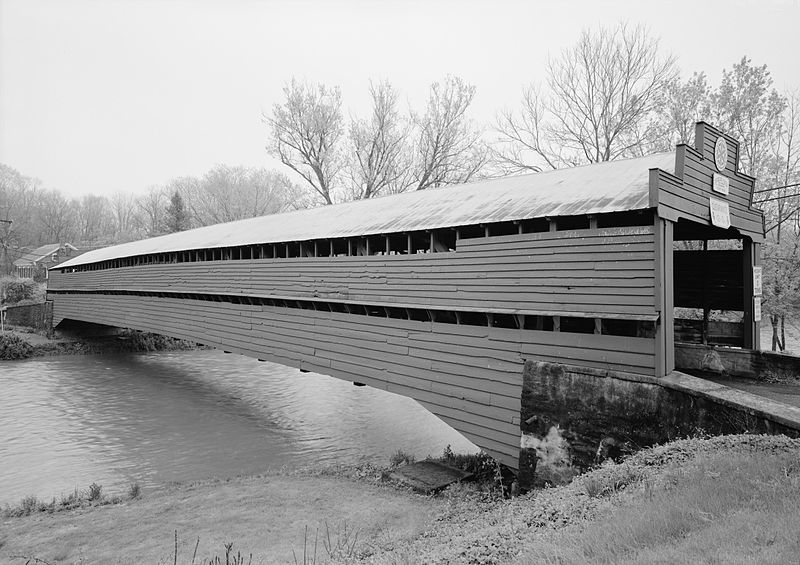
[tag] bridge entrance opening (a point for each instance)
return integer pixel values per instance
(715, 302)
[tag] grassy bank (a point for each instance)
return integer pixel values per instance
(720, 500)
(731, 499)
(273, 517)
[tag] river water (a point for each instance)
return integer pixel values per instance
(156, 418)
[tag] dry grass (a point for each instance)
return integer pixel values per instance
(265, 516)
(719, 500)
(729, 499)
(721, 508)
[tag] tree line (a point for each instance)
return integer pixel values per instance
(613, 94)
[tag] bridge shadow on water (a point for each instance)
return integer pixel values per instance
(177, 416)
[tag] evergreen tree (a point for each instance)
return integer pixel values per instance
(176, 217)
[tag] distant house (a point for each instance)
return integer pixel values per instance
(42, 258)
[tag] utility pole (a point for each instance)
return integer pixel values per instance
(4, 243)
(3, 263)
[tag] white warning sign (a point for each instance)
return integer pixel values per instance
(756, 281)
(720, 213)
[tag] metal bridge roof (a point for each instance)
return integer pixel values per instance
(614, 186)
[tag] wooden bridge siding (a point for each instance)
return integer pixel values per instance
(583, 271)
(468, 376)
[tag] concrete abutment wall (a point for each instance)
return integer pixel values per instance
(596, 414)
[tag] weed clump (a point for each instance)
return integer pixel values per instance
(400, 457)
(134, 491)
(95, 492)
(339, 545)
(14, 347)
(92, 496)
(483, 468)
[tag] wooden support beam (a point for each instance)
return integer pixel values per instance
(706, 309)
(751, 257)
(664, 298)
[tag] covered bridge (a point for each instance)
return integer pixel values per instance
(442, 295)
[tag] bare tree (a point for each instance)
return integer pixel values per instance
(449, 149)
(781, 285)
(57, 218)
(124, 217)
(19, 204)
(151, 205)
(780, 201)
(600, 104)
(305, 134)
(521, 136)
(781, 204)
(379, 160)
(226, 194)
(11, 184)
(682, 105)
(746, 106)
(94, 218)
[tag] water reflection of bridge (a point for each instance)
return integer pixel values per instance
(442, 295)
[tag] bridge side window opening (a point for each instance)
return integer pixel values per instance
(442, 240)
(397, 244)
(500, 320)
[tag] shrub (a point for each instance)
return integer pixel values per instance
(16, 289)
(14, 347)
(482, 466)
(144, 341)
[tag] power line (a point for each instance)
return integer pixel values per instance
(781, 197)
(776, 188)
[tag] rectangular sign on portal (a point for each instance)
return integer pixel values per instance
(720, 213)
(720, 184)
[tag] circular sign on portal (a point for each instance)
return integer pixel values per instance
(721, 153)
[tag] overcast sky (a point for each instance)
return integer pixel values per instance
(102, 96)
